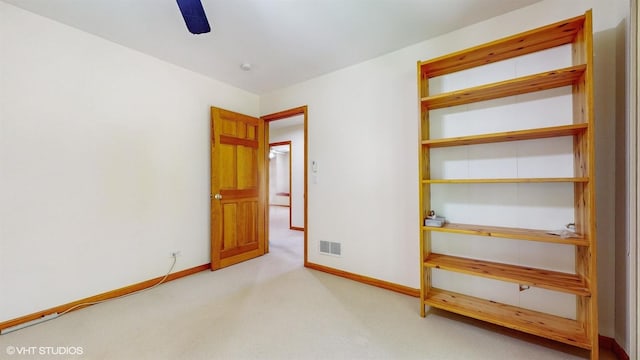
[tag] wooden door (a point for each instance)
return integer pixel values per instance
(238, 188)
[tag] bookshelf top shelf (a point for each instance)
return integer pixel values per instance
(522, 85)
(560, 33)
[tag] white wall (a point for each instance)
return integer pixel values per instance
(295, 134)
(609, 22)
(362, 128)
(611, 59)
(104, 163)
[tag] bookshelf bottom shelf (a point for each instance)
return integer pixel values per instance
(541, 324)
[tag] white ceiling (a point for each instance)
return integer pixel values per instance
(286, 41)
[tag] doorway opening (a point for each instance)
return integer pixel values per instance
(286, 134)
(280, 176)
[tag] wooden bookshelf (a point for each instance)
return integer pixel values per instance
(576, 32)
(534, 322)
(509, 233)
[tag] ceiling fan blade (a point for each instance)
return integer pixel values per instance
(194, 16)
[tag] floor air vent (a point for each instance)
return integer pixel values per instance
(330, 248)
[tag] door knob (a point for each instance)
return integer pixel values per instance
(217, 197)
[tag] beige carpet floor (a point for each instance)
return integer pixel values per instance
(274, 308)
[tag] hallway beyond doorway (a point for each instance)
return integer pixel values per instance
(281, 237)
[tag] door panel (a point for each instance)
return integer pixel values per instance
(238, 177)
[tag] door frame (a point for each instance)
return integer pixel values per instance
(281, 143)
(281, 115)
